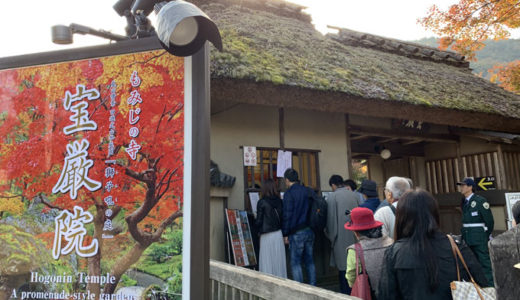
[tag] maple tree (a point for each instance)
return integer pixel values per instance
(466, 25)
(147, 190)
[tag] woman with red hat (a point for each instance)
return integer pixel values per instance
(371, 247)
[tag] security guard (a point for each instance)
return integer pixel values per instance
(477, 224)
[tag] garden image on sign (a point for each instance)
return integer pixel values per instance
(91, 178)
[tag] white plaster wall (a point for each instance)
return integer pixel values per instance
(255, 125)
(321, 131)
(243, 125)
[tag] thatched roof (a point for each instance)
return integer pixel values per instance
(275, 44)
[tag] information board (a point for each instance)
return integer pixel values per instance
(241, 239)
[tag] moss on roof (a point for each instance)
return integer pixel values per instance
(264, 47)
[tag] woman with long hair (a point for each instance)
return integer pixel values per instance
(420, 264)
(269, 224)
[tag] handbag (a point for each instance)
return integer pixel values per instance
(361, 287)
(462, 290)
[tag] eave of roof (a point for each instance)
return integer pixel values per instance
(260, 46)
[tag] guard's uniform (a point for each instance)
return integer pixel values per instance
(477, 225)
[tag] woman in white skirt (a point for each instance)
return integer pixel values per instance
(269, 224)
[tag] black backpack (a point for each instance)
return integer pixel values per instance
(317, 212)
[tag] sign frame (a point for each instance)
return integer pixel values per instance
(195, 282)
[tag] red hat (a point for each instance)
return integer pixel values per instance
(362, 218)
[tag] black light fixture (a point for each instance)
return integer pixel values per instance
(62, 34)
(183, 28)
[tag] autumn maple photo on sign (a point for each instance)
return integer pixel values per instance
(91, 177)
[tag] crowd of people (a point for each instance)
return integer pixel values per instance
(398, 239)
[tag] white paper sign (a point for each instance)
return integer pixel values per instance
(284, 162)
(254, 197)
(511, 199)
(326, 195)
(249, 156)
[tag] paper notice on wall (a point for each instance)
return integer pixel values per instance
(254, 197)
(249, 156)
(511, 199)
(284, 162)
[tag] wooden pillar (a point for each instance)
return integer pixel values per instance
(199, 208)
(281, 126)
(350, 173)
(459, 162)
(501, 169)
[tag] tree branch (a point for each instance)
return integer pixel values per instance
(48, 204)
(160, 194)
(167, 222)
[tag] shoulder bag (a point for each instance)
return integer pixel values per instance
(361, 287)
(462, 290)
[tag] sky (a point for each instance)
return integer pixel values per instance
(25, 26)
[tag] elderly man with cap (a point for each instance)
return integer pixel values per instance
(477, 224)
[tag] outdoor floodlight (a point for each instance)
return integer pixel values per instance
(62, 34)
(182, 28)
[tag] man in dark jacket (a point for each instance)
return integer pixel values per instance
(369, 190)
(477, 224)
(295, 227)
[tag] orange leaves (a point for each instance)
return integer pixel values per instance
(507, 76)
(33, 147)
(465, 25)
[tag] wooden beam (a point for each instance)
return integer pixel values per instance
(399, 134)
(396, 149)
(227, 91)
(502, 169)
(281, 126)
(349, 147)
(359, 137)
(387, 140)
(495, 138)
(412, 142)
